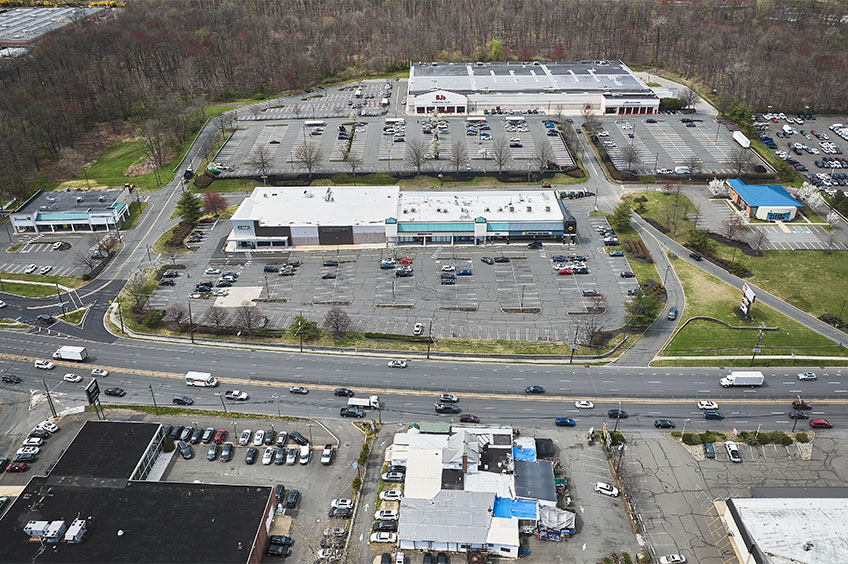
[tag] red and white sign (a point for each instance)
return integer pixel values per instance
(748, 292)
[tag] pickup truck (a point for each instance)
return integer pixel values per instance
(236, 395)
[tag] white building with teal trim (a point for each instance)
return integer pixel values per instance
(72, 211)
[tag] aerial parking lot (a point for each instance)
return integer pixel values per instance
(663, 142)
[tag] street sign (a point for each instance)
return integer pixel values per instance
(744, 308)
(748, 292)
(92, 391)
(756, 350)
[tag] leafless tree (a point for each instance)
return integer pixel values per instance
(217, 316)
(732, 226)
(223, 124)
(689, 97)
(501, 153)
(694, 163)
(137, 289)
(70, 162)
(296, 110)
(171, 256)
(668, 213)
(337, 321)
(759, 237)
(458, 155)
(207, 146)
(308, 156)
(630, 155)
(353, 163)
(542, 155)
(248, 316)
(178, 313)
(415, 154)
(590, 327)
(829, 242)
(740, 161)
(85, 260)
(590, 122)
(260, 157)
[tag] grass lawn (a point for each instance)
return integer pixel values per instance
(215, 110)
(67, 281)
(136, 208)
(74, 316)
(228, 185)
(706, 361)
(12, 324)
(644, 271)
(161, 248)
(27, 290)
(14, 248)
(708, 296)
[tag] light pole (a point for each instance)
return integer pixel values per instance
(685, 421)
(617, 419)
(190, 324)
(155, 407)
(222, 401)
(277, 401)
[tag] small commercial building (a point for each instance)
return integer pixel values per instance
(605, 87)
(72, 211)
(769, 202)
(278, 218)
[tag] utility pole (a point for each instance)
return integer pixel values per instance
(429, 338)
(617, 419)
(120, 315)
(148, 255)
(191, 325)
(267, 291)
(155, 407)
(224, 405)
(757, 346)
(59, 293)
(49, 399)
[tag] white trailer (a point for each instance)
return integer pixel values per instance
(79, 354)
(372, 402)
(742, 378)
(740, 138)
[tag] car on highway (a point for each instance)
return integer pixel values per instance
(117, 392)
(706, 404)
(713, 414)
(617, 414)
(564, 422)
(664, 424)
(44, 365)
(11, 379)
(448, 398)
(99, 372)
(397, 364)
(343, 392)
(584, 404)
(534, 390)
(606, 489)
(391, 495)
(807, 376)
(447, 408)
(696, 256)
(798, 414)
(468, 418)
(298, 390)
(820, 424)
(183, 400)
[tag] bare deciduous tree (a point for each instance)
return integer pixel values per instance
(353, 163)
(501, 153)
(337, 321)
(260, 157)
(85, 260)
(136, 288)
(590, 121)
(590, 327)
(732, 226)
(759, 237)
(458, 155)
(415, 154)
(223, 124)
(248, 316)
(630, 155)
(178, 313)
(694, 163)
(217, 316)
(542, 155)
(689, 97)
(308, 156)
(740, 161)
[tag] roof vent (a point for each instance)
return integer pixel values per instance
(404, 211)
(529, 208)
(413, 210)
(511, 208)
(547, 208)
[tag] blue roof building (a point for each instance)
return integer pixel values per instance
(769, 202)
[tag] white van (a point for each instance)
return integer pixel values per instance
(201, 379)
(682, 170)
(305, 453)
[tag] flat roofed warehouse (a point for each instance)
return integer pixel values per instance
(22, 26)
(72, 211)
(608, 87)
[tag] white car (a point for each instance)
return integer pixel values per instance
(342, 503)
(221, 292)
(418, 329)
(673, 559)
(448, 268)
(3, 304)
(268, 457)
(606, 489)
(45, 269)
(258, 437)
(383, 537)
(707, 405)
(30, 268)
(244, 439)
(807, 376)
(48, 426)
(99, 372)
(386, 515)
(44, 364)
(72, 378)
(32, 441)
(397, 364)
(583, 404)
(210, 271)
(28, 450)
(732, 451)
(391, 495)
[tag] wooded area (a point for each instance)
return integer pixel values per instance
(155, 61)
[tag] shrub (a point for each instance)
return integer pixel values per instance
(153, 318)
(802, 437)
(179, 234)
(626, 557)
(738, 269)
(638, 249)
(675, 434)
(356, 484)
(691, 439)
(707, 437)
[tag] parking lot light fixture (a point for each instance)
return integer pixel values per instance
(224, 405)
(685, 421)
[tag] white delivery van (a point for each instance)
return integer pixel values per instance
(682, 170)
(201, 379)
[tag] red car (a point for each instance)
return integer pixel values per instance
(17, 467)
(627, 274)
(564, 271)
(220, 436)
(405, 260)
(820, 424)
(468, 418)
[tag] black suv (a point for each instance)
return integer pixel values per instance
(447, 408)
(617, 414)
(183, 400)
(292, 499)
(11, 379)
(252, 453)
(298, 438)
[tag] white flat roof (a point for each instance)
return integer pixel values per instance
(423, 473)
(494, 205)
(783, 526)
(319, 205)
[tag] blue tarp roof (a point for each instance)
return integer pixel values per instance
(756, 195)
(506, 508)
(528, 454)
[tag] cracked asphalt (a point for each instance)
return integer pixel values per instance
(674, 493)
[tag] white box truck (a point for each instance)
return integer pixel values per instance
(372, 402)
(201, 379)
(737, 378)
(78, 354)
(740, 138)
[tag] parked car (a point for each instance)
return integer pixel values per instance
(245, 437)
(673, 559)
(227, 452)
(327, 455)
(606, 489)
(291, 456)
(732, 451)
(268, 456)
(212, 453)
(185, 451)
(208, 434)
(252, 454)
(389, 526)
(709, 452)
(393, 476)
(384, 537)
(298, 438)
(390, 495)
(292, 499)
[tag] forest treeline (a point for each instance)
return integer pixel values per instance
(155, 61)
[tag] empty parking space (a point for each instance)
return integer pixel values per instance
(338, 289)
(392, 290)
(517, 289)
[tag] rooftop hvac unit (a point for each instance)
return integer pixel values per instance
(404, 211)
(54, 531)
(511, 208)
(413, 210)
(547, 208)
(36, 528)
(529, 208)
(438, 210)
(75, 531)
(485, 209)
(307, 194)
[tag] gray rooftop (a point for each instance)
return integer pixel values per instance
(451, 516)
(73, 201)
(535, 480)
(26, 24)
(529, 77)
